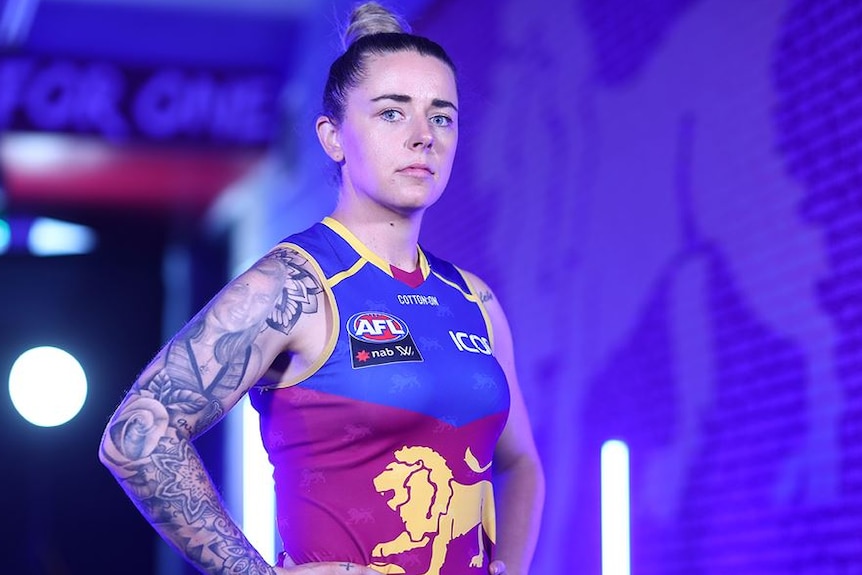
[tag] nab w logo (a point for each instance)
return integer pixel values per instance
(378, 338)
(376, 327)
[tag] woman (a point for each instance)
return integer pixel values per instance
(384, 376)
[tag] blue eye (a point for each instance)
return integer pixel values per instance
(390, 115)
(441, 121)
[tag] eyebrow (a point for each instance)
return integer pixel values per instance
(436, 102)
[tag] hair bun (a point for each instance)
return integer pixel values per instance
(372, 18)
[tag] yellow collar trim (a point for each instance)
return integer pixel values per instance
(366, 253)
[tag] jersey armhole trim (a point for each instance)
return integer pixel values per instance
(333, 336)
(467, 295)
(478, 300)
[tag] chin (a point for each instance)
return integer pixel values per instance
(421, 205)
(417, 199)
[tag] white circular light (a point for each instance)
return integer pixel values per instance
(48, 386)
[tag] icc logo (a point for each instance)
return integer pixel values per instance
(376, 327)
(470, 342)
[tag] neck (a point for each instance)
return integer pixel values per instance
(393, 237)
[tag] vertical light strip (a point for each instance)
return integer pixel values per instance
(258, 493)
(16, 20)
(616, 550)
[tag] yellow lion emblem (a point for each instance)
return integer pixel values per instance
(433, 506)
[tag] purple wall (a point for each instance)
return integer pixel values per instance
(666, 197)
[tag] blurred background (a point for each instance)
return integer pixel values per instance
(666, 196)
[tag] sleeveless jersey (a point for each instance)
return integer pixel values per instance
(382, 450)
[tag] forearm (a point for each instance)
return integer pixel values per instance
(172, 490)
(520, 492)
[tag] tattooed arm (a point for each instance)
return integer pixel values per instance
(200, 375)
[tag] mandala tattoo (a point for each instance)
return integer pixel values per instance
(297, 295)
(183, 484)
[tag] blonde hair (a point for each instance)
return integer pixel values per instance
(372, 18)
(371, 31)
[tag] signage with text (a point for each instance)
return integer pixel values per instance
(170, 105)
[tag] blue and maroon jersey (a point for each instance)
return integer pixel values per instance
(382, 450)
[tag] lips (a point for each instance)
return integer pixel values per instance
(417, 169)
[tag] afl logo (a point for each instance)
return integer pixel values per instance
(376, 327)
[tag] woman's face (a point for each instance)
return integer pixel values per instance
(399, 133)
(246, 302)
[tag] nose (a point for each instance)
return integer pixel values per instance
(421, 138)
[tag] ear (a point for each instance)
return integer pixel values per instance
(330, 138)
